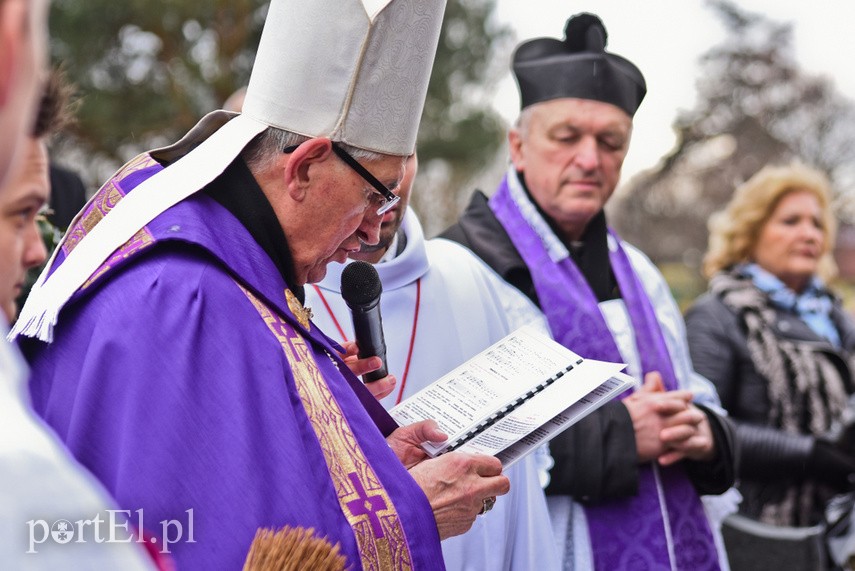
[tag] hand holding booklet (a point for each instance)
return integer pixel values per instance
(514, 396)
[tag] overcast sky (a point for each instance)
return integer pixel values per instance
(665, 38)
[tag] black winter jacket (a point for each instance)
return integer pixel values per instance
(769, 459)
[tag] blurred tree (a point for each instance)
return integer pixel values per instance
(460, 133)
(753, 75)
(755, 106)
(148, 70)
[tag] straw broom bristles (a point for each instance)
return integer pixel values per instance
(292, 549)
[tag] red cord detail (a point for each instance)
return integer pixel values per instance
(412, 334)
(412, 340)
(330, 311)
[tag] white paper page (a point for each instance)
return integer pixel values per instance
(616, 385)
(576, 386)
(489, 381)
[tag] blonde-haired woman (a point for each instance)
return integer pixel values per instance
(777, 343)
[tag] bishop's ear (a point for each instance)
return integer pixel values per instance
(303, 164)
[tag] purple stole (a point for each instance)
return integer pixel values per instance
(638, 532)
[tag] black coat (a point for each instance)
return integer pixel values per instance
(770, 459)
(595, 459)
(67, 196)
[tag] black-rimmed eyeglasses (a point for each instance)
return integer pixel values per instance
(386, 199)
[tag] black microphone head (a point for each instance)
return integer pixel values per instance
(360, 284)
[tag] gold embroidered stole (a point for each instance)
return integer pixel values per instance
(96, 209)
(363, 500)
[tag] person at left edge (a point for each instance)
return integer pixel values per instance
(169, 345)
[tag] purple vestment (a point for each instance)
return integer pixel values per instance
(180, 377)
(662, 527)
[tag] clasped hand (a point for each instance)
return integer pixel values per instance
(456, 484)
(668, 427)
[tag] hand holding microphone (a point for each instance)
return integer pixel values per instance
(361, 289)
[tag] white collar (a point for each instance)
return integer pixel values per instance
(391, 250)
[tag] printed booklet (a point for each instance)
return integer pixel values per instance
(514, 396)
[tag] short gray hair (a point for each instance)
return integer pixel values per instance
(523, 121)
(266, 148)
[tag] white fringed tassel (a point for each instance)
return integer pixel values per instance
(39, 326)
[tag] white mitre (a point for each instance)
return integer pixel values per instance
(355, 71)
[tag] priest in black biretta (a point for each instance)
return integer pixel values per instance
(635, 468)
(577, 66)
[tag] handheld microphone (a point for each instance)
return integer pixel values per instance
(361, 288)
